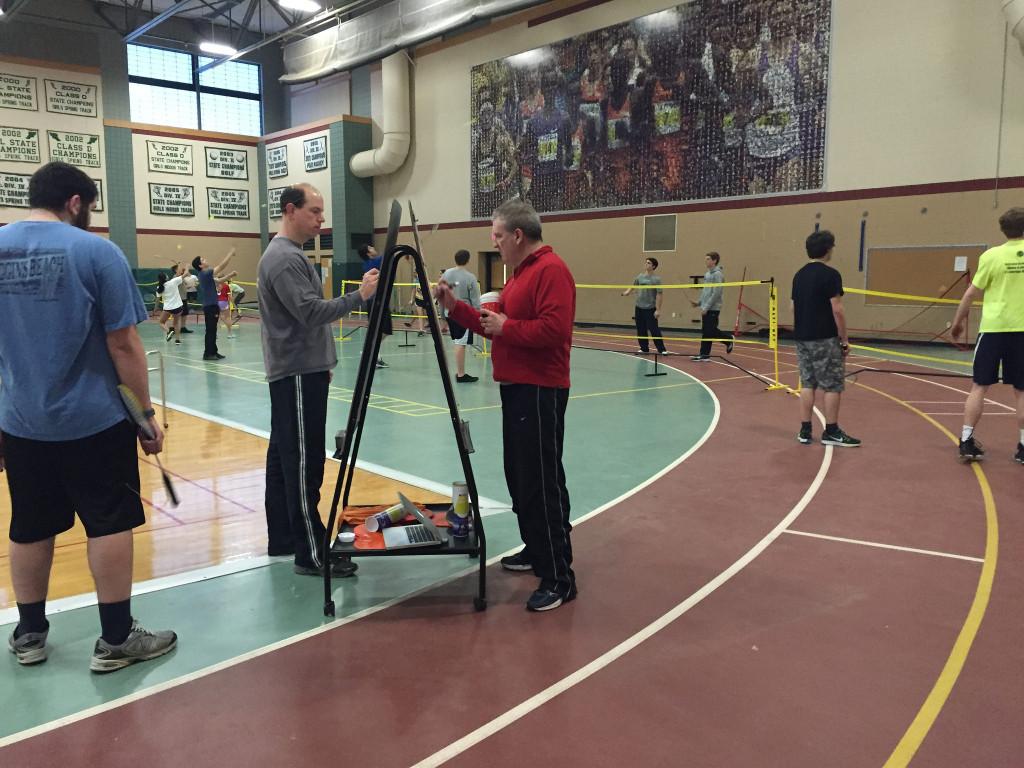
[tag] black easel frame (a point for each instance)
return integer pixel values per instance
(475, 544)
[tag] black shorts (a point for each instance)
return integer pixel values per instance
(176, 310)
(995, 348)
(95, 476)
(457, 331)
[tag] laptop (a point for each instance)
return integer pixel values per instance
(425, 534)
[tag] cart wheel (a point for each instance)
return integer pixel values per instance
(329, 608)
(480, 603)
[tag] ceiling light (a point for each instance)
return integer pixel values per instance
(218, 49)
(306, 6)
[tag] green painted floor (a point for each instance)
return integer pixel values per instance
(621, 428)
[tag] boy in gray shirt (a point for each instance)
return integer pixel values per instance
(710, 304)
(465, 287)
(299, 354)
(648, 308)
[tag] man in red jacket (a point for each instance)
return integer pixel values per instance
(531, 336)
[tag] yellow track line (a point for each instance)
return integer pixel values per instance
(929, 712)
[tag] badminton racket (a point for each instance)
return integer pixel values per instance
(136, 411)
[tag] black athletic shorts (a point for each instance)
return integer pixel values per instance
(459, 334)
(95, 476)
(995, 348)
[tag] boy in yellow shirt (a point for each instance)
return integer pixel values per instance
(1000, 280)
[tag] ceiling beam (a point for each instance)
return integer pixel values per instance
(160, 18)
(12, 8)
(243, 27)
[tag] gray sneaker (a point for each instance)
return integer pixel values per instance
(141, 645)
(30, 648)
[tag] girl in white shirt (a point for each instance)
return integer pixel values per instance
(173, 305)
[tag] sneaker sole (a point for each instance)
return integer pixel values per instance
(30, 658)
(840, 445)
(103, 666)
(969, 459)
(805, 440)
(517, 568)
(550, 607)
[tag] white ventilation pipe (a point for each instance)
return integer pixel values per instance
(1014, 12)
(394, 148)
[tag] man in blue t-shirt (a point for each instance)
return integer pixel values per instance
(208, 277)
(822, 343)
(65, 441)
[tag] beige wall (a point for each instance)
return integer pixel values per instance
(160, 251)
(200, 184)
(767, 241)
(915, 98)
(41, 119)
(310, 102)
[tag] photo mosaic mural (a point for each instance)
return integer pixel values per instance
(710, 99)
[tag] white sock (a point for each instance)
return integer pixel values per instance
(966, 432)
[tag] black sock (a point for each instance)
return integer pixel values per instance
(831, 429)
(31, 618)
(116, 621)
(805, 426)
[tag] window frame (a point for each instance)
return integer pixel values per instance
(198, 89)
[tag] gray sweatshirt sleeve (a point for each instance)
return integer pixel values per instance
(304, 302)
(711, 298)
(474, 294)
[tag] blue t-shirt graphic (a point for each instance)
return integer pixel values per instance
(61, 291)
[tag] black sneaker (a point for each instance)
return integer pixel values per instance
(340, 569)
(466, 379)
(520, 561)
(839, 439)
(728, 347)
(805, 436)
(700, 358)
(1019, 456)
(381, 363)
(217, 356)
(971, 450)
(548, 599)
(170, 334)
(186, 330)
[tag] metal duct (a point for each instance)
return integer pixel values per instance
(394, 147)
(1014, 12)
(391, 27)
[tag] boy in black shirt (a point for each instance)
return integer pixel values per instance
(819, 327)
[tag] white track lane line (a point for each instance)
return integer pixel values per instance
(880, 545)
(538, 700)
(338, 623)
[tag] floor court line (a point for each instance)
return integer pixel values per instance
(880, 545)
(337, 623)
(538, 700)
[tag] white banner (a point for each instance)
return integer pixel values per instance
(71, 98)
(18, 92)
(99, 197)
(19, 145)
(314, 153)
(274, 202)
(226, 163)
(165, 157)
(228, 203)
(14, 190)
(277, 161)
(75, 148)
(171, 200)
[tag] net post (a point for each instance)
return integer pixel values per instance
(341, 325)
(773, 331)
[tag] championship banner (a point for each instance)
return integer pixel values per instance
(99, 197)
(227, 163)
(228, 203)
(71, 98)
(277, 161)
(171, 200)
(17, 92)
(274, 202)
(19, 145)
(165, 157)
(81, 149)
(14, 190)
(314, 153)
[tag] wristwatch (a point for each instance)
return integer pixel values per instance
(149, 413)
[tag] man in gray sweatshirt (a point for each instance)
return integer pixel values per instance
(299, 354)
(710, 304)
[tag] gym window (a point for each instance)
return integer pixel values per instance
(164, 90)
